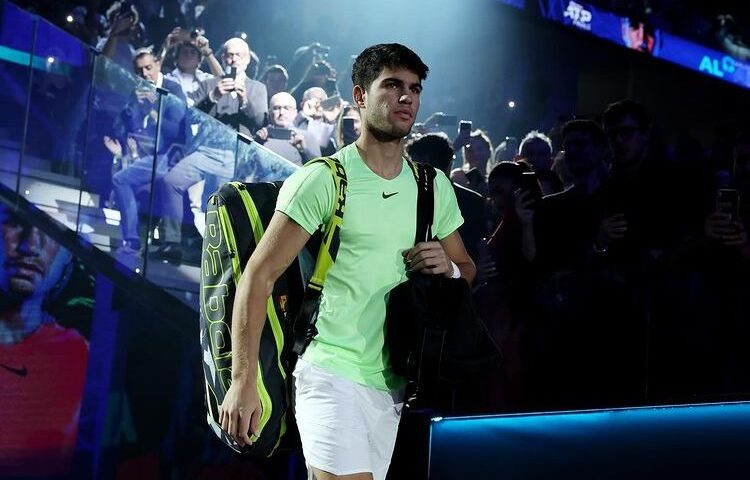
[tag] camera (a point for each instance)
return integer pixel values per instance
(279, 133)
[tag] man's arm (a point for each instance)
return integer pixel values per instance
(255, 106)
(277, 249)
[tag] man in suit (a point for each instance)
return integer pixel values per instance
(237, 101)
(139, 120)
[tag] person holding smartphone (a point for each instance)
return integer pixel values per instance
(282, 137)
(235, 100)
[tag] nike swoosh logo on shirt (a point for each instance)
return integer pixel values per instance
(21, 372)
(389, 195)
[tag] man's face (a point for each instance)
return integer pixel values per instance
(236, 54)
(188, 59)
(627, 140)
(477, 153)
(538, 154)
(392, 103)
(27, 256)
(147, 68)
(283, 110)
(581, 154)
(275, 83)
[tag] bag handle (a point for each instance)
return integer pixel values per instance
(329, 247)
(424, 175)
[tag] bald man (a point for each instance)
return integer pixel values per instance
(301, 145)
(236, 101)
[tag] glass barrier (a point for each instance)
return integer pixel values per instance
(55, 141)
(17, 30)
(127, 165)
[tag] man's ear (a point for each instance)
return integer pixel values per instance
(358, 94)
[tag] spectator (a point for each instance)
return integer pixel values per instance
(282, 137)
(238, 102)
(435, 149)
(139, 119)
(348, 126)
(320, 74)
(187, 74)
(505, 152)
(477, 150)
(536, 150)
(124, 35)
(569, 332)
(276, 79)
(318, 115)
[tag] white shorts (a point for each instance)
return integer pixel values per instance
(345, 427)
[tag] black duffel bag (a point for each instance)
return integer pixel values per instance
(433, 331)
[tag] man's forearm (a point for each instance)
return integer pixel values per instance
(248, 318)
(214, 65)
(468, 270)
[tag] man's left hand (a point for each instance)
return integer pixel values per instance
(428, 257)
(239, 88)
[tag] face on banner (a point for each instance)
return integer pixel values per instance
(42, 363)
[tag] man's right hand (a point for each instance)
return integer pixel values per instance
(261, 135)
(224, 86)
(720, 227)
(240, 412)
(122, 25)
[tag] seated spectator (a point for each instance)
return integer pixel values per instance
(139, 119)
(477, 149)
(282, 137)
(435, 149)
(238, 102)
(276, 79)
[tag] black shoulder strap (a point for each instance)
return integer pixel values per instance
(424, 174)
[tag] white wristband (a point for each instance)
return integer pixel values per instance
(456, 271)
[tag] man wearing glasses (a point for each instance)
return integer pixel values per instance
(233, 99)
(282, 137)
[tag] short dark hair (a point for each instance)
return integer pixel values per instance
(434, 149)
(372, 60)
(510, 170)
(586, 126)
(615, 112)
(183, 45)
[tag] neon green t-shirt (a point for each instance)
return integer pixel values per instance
(379, 223)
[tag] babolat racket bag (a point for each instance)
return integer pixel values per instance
(236, 218)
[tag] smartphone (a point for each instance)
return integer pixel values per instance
(330, 103)
(230, 72)
(279, 133)
(348, 132)
(728, 202)
(464, 126)
(528, 182)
